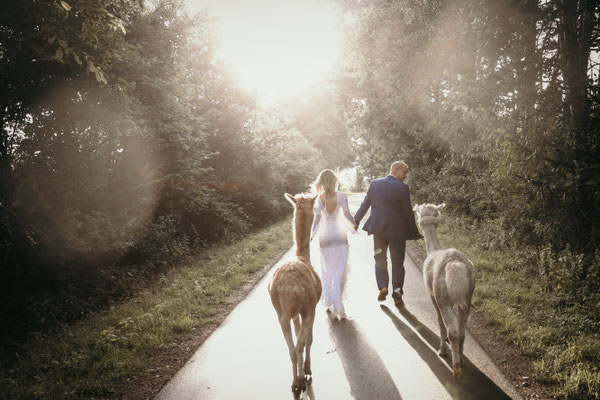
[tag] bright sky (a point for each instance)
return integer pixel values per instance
(278, 48)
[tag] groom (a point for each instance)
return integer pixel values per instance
(392, 223)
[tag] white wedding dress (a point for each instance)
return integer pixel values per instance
(332, 228)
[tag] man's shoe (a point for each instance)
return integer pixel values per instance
(382, 294)
(397, 295)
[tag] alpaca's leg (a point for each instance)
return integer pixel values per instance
(309, 340)
(452, 324)
(287, 334)
(297, 325)
(463, 315)
(300, 382)
(443, 333)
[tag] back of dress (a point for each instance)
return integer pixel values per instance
(332, 230)
(333, 250)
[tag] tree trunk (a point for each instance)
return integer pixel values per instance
(575, 32)
(575, 28)
(527, 95)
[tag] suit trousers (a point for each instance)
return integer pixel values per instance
(397, 251)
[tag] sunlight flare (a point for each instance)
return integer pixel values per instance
(277, 48)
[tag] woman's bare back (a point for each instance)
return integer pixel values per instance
(330, 202)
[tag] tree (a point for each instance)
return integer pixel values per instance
(42, 44)
(491, 103)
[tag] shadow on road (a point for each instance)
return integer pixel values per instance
(475, 385)
(366, 373)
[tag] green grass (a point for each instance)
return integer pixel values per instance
(562, 337)
(94, 358)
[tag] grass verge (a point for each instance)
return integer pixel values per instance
(562, 337)
(93, 358)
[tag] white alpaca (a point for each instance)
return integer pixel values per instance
(295, 290)
(450, 278)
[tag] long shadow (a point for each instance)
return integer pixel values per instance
(366, 373)
(475, 384)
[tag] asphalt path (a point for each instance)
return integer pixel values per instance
(379, 352)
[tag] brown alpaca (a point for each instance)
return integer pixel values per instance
(295, 290)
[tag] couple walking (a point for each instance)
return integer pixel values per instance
(391, 223)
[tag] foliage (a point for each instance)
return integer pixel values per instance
(485, 102)
(555, 322)
(100, 355)
(126, 141)
(494, 106)
(321, 122)
(471, 94)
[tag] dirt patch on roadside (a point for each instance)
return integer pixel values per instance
(173, 357)
(517, 367)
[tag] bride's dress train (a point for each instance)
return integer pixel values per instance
(334, 252)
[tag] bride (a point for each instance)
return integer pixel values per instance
(330, 211)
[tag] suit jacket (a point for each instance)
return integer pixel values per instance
(391, 212)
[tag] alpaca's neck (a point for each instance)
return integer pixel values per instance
(303, 248)
(302, 227)
(431, 240)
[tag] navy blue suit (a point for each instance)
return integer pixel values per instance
(391, 223)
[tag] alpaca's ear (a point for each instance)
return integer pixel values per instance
(417, 209)
(290, 198)
(440, 206)
(315, 197)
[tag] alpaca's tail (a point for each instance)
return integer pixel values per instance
(457, 283)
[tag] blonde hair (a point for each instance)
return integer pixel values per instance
(326, 182)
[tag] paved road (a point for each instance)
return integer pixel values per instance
(380, 352)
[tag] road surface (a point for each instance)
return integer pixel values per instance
(380, 352)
